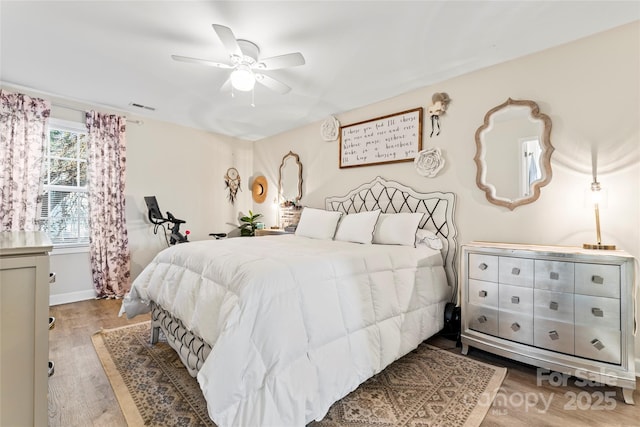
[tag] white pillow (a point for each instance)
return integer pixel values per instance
(357, 227)
(317, 223)
(397, 228)
(428, 238)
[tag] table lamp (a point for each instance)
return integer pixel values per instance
(596, 199)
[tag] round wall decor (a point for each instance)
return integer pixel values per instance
(259, 189)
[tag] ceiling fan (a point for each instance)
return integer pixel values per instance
(247, 64)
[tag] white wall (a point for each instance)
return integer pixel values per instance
(589, 88)
(183, 167)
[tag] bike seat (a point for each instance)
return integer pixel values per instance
(218, 235)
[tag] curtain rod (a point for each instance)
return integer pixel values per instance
(69, 107)
(43, 93)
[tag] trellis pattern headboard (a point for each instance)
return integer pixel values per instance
(393, 197)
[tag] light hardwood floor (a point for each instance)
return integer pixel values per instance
(80, 394)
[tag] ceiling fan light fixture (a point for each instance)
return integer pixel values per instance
(242, 78)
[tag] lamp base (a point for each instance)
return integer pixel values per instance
(599, 246)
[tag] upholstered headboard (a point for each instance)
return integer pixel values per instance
(393, 197)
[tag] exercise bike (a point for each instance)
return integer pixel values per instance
(155, 216)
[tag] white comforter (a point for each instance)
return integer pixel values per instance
(295, 323)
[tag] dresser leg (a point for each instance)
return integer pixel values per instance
(465, 349)
(627, 393)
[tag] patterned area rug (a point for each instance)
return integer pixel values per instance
(427, 387)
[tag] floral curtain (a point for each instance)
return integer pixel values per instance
(23, 123)
(109, 244)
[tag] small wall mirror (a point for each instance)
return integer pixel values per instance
(513, 153)
(290, 178)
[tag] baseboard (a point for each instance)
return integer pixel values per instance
(58, 299)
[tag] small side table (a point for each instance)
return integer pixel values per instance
(272, 232)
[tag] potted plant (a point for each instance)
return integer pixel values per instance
(250, 223)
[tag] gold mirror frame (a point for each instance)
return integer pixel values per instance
(544, 161)
(294, 156)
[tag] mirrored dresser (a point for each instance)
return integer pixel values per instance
(566, 309)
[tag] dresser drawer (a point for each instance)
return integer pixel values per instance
(483, 267)
(597, 312)
(599, 280)
(515, 327)
(516, 299)
(554, 275)
(598, 344)
(515, 271)
(553, 335)
(553, 305)
(483, 293)
(482, 319)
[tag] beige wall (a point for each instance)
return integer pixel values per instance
(590, 89)
(591, 92)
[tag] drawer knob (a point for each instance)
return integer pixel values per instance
(553, 305)
(515, 327)
(482, 294)
(482, 319)
(554, 335)
(554, 276)
(515, 300)
(483, 266)
(515, 271)
(597, 344)
(597, 312)
(598, 280)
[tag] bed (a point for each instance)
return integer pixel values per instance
(278, 328)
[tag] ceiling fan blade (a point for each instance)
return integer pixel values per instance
(226, 86)
(272, 83)
(201, 61)
(228, 39)
(281, 61)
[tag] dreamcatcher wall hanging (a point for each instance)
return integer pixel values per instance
(232, 181)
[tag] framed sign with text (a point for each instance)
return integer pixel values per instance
(388, 139)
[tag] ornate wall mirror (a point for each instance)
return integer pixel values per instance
(290, 179)
(513, 153)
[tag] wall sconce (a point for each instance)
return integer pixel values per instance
(596, 200)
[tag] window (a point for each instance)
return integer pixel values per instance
(65, 204)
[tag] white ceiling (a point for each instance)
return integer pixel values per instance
(113, 53)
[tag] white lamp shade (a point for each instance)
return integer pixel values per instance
(242, 78)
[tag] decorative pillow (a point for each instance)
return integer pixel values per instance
(397, 228)
(318, 223)
(357, 227)
(428, 238)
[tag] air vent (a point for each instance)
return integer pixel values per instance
(144, 107)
